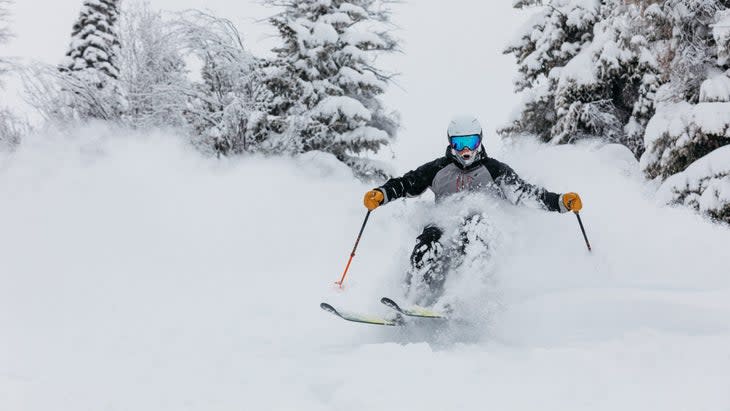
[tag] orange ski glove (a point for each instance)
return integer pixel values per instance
(572, 202)
(373, 199)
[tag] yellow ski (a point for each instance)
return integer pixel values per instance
(362, 318)
(413, 311)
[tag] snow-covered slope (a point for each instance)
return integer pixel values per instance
(137, 275)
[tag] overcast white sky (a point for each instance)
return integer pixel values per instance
(452, 61)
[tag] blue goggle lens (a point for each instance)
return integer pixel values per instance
(459, 143)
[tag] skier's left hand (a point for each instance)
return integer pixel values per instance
(572, 202)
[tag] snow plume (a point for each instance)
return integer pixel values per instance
(472, 225)
(466, 256)
(137, 274)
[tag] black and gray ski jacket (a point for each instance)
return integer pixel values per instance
(446, 176)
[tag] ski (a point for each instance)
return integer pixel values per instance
(362, 318)
(413, 311)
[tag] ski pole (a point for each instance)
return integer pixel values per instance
(342, 279)
(583, 230)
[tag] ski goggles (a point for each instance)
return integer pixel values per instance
(471, 142)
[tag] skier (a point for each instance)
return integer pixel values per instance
(465, 167)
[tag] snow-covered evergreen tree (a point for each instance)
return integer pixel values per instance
(589, 71)
(607, 91)
(687, 138)
(92, 62)
(679, 133)
(94, 40)
(650, 74)
(323, 87)
(554, 35)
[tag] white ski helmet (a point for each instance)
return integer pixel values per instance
(465, 125)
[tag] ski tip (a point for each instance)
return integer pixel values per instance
(362, 318)
(390, 303)
(328, 308)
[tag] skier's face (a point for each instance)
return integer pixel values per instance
(466, 147)
(466, 154)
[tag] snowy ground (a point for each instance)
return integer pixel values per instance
(138, 276)
(135, 275)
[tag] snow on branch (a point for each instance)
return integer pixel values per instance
(721, 33)
(704, 185)
(153, 73)
(5, 20)
(203, 33)
(5, 34)
(64, 98)
(680, 133)
(225, 109)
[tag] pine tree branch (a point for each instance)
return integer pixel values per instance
(5, 33)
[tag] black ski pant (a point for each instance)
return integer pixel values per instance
(430, 260)
(427, 258)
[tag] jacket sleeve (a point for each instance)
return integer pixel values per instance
(414, 182)
(518, 191)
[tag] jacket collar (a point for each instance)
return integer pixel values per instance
(481, 156)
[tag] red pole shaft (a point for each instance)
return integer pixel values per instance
(352, 255)
(344, 273)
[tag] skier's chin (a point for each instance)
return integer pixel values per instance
(467, 159)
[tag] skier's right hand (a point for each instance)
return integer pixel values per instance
(373, 199)
(572, 202)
